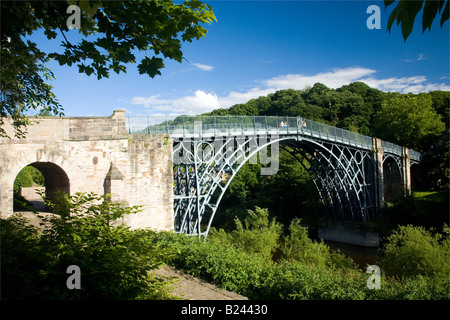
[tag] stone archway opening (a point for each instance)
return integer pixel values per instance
(46, 176)
(392, 180)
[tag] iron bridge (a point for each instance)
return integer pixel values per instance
(209, 151)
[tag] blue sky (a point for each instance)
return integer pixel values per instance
(258, 47)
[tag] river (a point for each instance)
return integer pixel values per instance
(362, 256)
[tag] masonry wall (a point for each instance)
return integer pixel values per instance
(392, 179)
(98, 156)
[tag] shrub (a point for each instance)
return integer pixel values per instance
(297, 246)
(23, 179)
(307, 270)
(258, 234)
(298, 281)
(115, 261)
(226, 266)
(21, 260)
(412, 251)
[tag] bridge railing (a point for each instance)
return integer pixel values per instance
(186, 126)
(415, 155)
(389, 147)
(208, 126)
(331, 133)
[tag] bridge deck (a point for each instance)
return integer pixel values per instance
(224, 126)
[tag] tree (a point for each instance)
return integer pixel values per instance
(112, 33)
(441, 103)
(406, 11)
(408, 120)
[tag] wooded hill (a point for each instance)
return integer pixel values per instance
(411, 120)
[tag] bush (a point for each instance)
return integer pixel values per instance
(258, 234)
(307, 270)
(213, 261)
(294, 280)
(115, 261)
(296, 246)
(412, 251)
(21, 260)
(23, 179)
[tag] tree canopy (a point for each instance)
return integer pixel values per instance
(113, 32)
(409, 120)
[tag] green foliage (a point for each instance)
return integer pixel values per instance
(408, 120)
(296, 246)
(307, 270)
(115, 261)
(121, 28)
(426, 209)
(224, 265)
(412, 251)
(406, 11)
(28, 177)
(298, 281)
(23, 180)
(258, 234)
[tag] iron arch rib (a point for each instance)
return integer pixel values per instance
(215, 168)
(341, 171)
(209, 165)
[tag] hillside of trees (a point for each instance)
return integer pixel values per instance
(415, 121)
(418, 121)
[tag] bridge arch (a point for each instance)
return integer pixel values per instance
(337, 172)
(392, 177)
(49, 161)
(56, 179)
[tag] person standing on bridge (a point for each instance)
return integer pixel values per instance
(301, 123)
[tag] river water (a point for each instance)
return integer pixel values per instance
(362, 256)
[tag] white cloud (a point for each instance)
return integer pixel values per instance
(150, 101)
(420, 57)
(203, 67)
(201, 101)
(332, 79)
(241, 97)
(414, 84)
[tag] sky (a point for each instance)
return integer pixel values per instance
(258, 47)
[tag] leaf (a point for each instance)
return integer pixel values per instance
(445, 14)
(50, 34)
(76, 237)
(429, 13)
(412, 8)
(392, 18)
(387, 3)
(151, 66)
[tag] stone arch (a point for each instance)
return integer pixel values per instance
(392, 178)
(56, 179)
